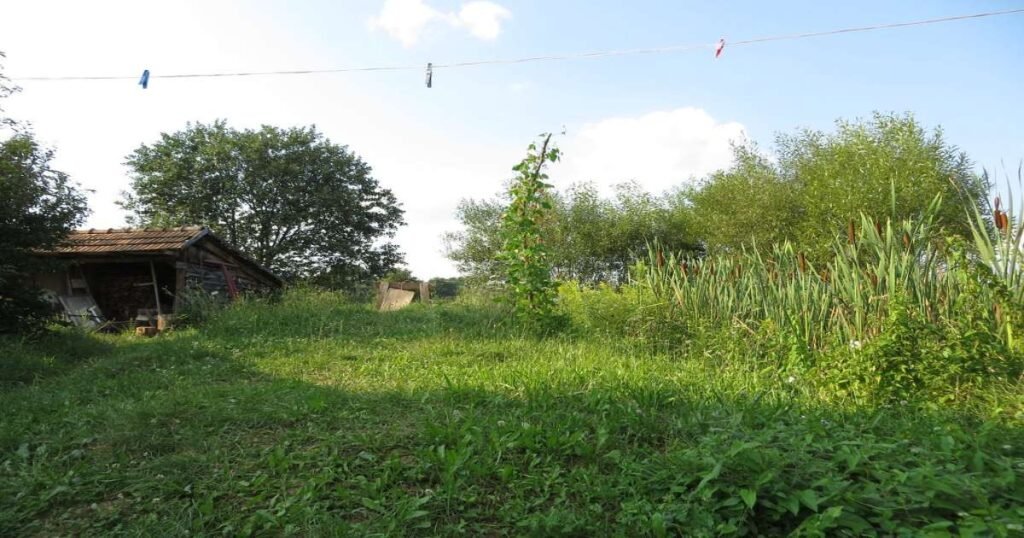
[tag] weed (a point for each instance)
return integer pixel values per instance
(314, 415)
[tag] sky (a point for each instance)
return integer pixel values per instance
(658, 119)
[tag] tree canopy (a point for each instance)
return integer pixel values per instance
(38, 207)
(816, 182)
(290, 198)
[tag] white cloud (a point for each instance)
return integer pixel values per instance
(659, 150)
(483, 19)
(406, 20)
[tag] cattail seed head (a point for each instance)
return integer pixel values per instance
(1002, 220)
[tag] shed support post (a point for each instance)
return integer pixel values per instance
(179, 288)
(156, 289)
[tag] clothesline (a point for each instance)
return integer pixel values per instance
(718, 48)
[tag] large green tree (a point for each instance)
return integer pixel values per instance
(816, 182)
(38, 207)
(290, 198)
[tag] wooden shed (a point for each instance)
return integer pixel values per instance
(127, 274)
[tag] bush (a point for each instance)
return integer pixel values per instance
(630, 312)
(913, 359)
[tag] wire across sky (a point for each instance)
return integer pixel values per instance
(545, 58)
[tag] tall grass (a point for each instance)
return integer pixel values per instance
(848, 300)
(901, 309)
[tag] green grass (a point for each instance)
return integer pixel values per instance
(317, 417)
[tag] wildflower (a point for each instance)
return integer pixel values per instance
(790, 379)
(855, 344)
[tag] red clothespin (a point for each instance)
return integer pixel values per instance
(719, 47)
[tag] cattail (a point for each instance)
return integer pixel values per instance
(661, 260)
(997, 310)
(873, 278)
(1002, 220)
(851, 232)
(684, 267)
(878, 228)
(802, 262)
(824, 276)
(906, 240)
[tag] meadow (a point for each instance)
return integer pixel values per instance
(313, 415)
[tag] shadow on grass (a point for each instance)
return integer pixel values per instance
(24, 361)
(190, 434)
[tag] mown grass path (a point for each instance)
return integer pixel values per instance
(314, 417)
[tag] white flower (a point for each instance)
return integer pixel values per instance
(790, 379)
(855, 344)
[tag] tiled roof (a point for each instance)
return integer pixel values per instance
(142, 241)
(128, 240)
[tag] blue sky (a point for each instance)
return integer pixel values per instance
(657, 119)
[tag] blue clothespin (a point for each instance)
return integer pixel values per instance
(144, 81)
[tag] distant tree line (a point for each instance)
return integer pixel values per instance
(805, 191)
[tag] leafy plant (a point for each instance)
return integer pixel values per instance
(531, 289)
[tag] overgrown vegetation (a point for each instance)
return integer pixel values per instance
(821, 342)
(896, 315)
(316, 416)
(804, 190)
